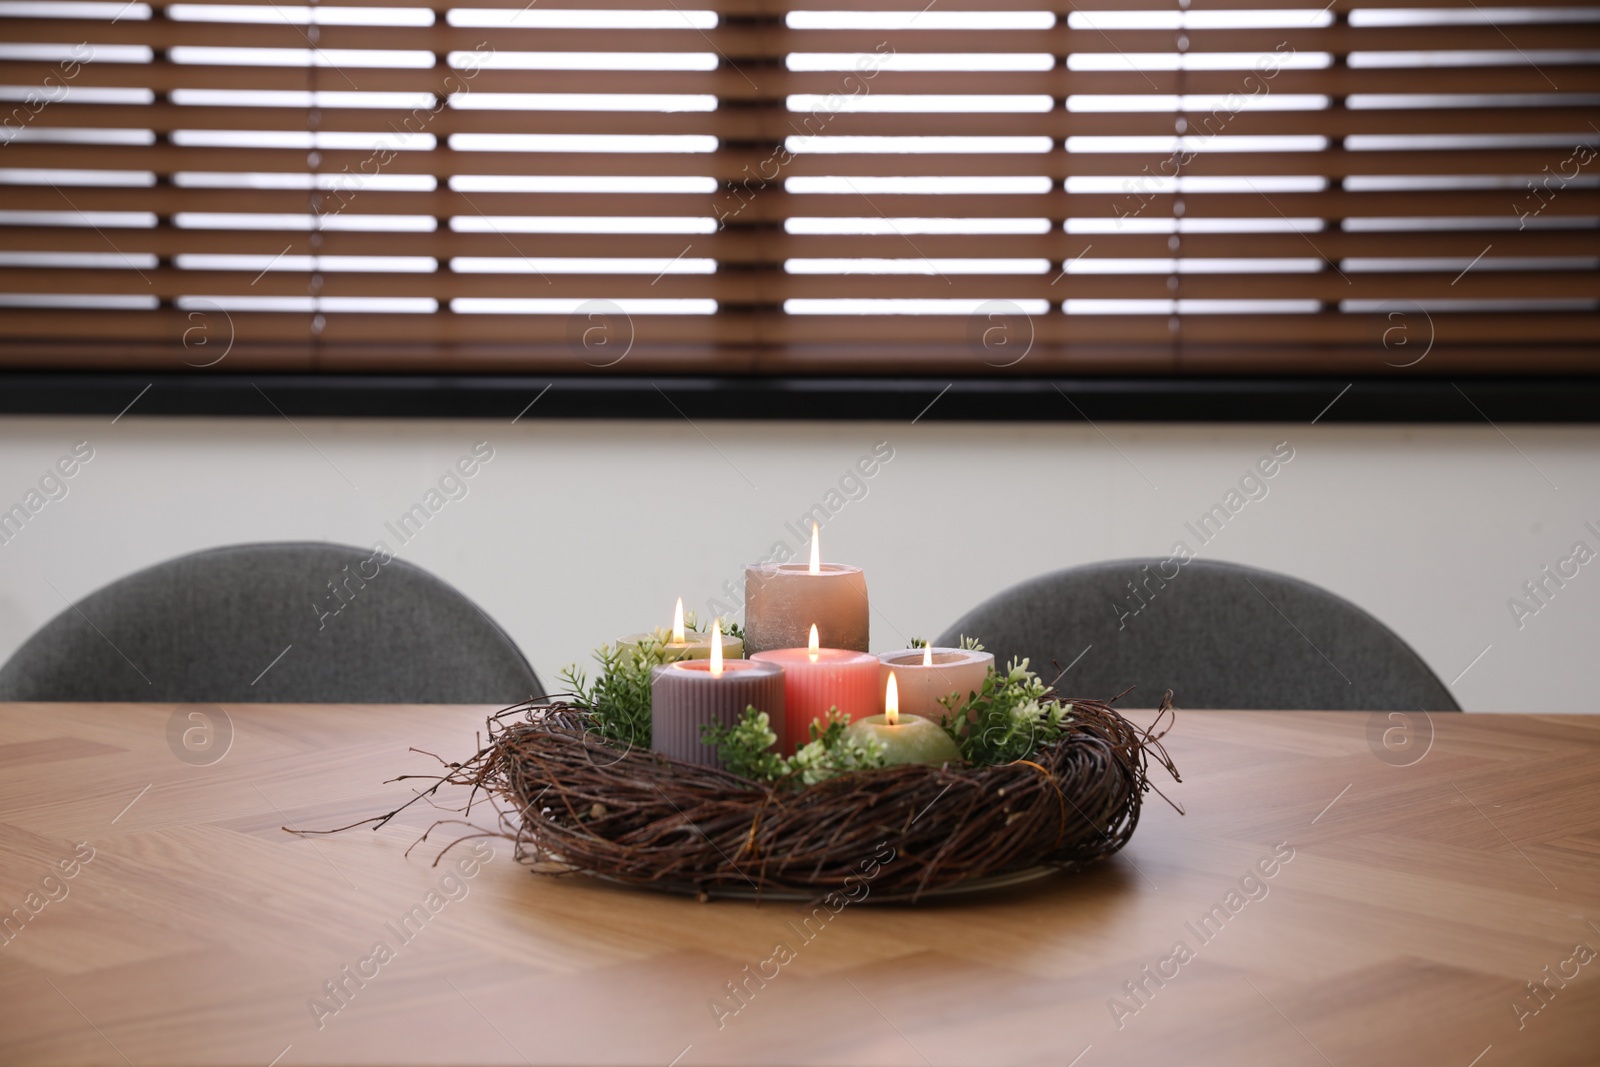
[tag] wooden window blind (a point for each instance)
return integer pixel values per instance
(734, 186)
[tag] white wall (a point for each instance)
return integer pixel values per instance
(580, 531)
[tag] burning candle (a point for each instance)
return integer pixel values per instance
(686, 644)
(783, 599)
(816, 679)
(905, 738)
(686, 695)
(924, 676)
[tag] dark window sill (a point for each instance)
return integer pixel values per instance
(1326, 400)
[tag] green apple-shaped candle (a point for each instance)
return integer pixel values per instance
(905, 738)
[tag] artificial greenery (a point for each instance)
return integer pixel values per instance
(746, 749)
(969, 644)
(831, 751)
(619, 700)
(1007, 719)
(692, 624)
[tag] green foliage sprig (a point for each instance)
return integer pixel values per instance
(691, 623)
(746, 750)
(1007, 719)
(619, 700)
(832, 752)
(970, 644)
(746, 747)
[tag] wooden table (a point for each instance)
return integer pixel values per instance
(1417, 903)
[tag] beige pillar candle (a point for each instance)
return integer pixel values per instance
(687, 644)
(926, 675)
(782, 601)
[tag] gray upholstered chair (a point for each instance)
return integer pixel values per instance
(284, 622)
(1219, 635)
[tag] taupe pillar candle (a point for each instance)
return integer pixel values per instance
(782, 601)
(685, 696)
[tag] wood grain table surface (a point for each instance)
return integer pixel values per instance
(1334, 895)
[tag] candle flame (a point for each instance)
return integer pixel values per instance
(891, 702)
(927, 653)
(816, 550)
(677, 623)
(716, 648)
(815, 644)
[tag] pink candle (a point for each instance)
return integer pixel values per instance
(816, 679)
(924, 676)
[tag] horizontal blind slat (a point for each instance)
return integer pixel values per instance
(738, 41)
(755, 286)
(760, 247)
(774, 10)
(774, 205)
(770, 124)
(731, 86)
(734, 165)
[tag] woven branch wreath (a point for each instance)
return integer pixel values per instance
(573, 804)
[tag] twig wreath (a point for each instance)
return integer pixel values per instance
(576, 793)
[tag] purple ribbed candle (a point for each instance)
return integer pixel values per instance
(684, 697)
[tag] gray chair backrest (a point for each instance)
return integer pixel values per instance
(1219, 635)
(284, 623)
